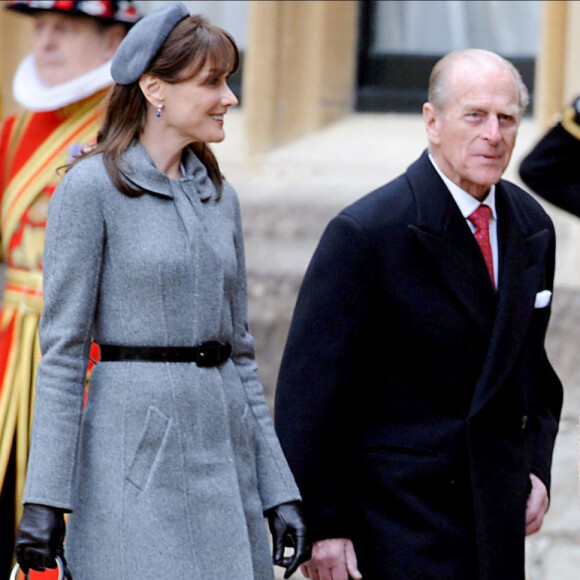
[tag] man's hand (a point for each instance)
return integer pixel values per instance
(537, 505)
(332, 560)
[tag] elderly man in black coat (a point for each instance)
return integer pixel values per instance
(415, 401)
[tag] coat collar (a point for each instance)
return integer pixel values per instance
(523, 247)
(502, 317)
(450, 246)
(139, 169)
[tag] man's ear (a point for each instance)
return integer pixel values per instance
(152, 89)
(431, 123)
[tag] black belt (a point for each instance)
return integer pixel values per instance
(205, 354)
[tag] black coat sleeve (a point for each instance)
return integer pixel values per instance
(552, 168)
(549, 395)
(322, 366)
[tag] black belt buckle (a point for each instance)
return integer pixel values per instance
(212, 353)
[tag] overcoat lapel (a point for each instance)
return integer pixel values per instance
(449, 245)
(502, 317)
(196, 183)
(522, 250)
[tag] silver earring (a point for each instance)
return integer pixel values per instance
(159, 109)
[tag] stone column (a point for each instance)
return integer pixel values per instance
(15, 44)
(558, 63)
(572, 61)
(299, 69)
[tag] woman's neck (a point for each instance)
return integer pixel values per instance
(164, 151)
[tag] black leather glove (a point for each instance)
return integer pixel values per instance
(40, 537)
(286, 522)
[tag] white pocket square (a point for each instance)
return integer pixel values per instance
(543, 299)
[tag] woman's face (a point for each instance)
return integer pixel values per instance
(195, 108)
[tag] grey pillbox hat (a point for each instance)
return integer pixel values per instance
(143, 41)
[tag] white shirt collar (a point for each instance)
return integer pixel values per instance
(467, 203)
(30, 92)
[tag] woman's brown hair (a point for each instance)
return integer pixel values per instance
(192, 43)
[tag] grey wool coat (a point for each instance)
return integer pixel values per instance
(169, 467)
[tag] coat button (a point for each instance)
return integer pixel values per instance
(524, 421)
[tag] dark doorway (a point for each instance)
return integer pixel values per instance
(396, 80)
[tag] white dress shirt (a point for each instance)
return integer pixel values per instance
(467, 205)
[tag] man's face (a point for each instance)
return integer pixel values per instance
(473, 137)
(66, 47)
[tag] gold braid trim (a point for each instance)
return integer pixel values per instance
(22, 304)
(568, 122)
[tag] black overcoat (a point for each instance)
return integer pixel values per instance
(551, 169)
(413, 400)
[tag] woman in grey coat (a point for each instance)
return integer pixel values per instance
(172, 464)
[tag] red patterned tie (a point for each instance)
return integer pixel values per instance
(480, 219)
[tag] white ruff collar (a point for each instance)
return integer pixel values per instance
(30, 92)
